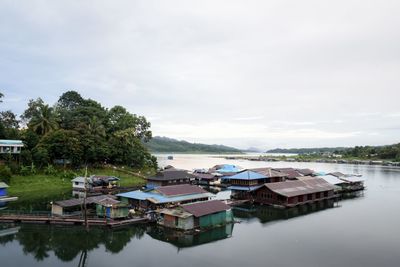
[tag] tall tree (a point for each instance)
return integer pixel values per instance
(44, 121)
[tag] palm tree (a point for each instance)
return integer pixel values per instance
(44, 120)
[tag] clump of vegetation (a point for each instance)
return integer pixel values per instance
(5, 174)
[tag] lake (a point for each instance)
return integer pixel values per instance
(362, 231)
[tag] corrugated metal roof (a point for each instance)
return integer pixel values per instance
(3, 185)
(79, 201)
(227, 168)
(171, 174)
(244, 188)
(290, 172)
(353, 179)
(4, 142)
(268, 172)
(176, 212)
(332, 179)
(158, 198)
(246, 175)
(204, 208)
(182, 189)
(296, 188)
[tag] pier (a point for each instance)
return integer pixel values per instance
(42, 218)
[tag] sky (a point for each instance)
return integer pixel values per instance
(262, 74)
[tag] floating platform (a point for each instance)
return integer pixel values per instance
(43, 219)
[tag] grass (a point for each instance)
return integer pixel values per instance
(34, 186)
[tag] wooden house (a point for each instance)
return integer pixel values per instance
(169, 176)
(293, 193)
(245, 182)
(164, 196)
(204, 215)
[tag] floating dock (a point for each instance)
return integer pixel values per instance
(48, 219)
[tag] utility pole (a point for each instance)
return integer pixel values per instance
(84, 203)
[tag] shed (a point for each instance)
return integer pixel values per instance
(209, 213)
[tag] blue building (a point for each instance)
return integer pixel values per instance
(3, 189)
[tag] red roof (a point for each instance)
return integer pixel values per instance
(204, 208)
(181, 189)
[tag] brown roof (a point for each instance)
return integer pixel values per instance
(290, 172)
(268, 172)
(337, 174)
(205, 176)
(181, 189)
(305, 172)
(204, 208)
(79, 201)
(171, 174)
(297, 188)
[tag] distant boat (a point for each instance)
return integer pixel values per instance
(170, 157)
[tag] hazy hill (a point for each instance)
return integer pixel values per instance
(165, 144)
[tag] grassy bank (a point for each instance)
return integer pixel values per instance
(34, 186)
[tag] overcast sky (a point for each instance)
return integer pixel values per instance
(242, 73)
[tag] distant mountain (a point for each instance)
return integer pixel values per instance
(315, 150)
(165, 144)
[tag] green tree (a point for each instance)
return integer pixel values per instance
(44, 121)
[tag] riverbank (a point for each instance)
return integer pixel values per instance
(299, 158)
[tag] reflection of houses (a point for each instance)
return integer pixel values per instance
(245, 182)
(165, 196)
(169, 176)
(10, 146)
(293, 193)
(206, 214)
(181, 239)
(94, 182)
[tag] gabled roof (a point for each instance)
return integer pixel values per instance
(3, 185)
(171, 174)
(181, 189)
(297, 188)
(247, 175)
(305, 172)
(204, 208)
(158, 198)
(290, 172)
(269, 172)
(79, 201)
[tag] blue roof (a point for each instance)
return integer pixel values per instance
(244, 188)
(247, 175)
(158, 198)
(11, 142)
(229, 168)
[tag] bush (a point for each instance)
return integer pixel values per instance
(50, 170)
(68, 175)
(25, 171)
(5, 174)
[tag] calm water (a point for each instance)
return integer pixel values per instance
(362, 231)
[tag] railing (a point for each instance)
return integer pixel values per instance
(26, 213)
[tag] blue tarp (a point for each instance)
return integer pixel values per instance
(246, 175)
(229, 168)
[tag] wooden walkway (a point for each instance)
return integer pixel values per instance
(48, 219)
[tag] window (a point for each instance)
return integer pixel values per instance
(309, 197)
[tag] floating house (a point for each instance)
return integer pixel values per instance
(206, 214)
(209, 179)
(292, 173)
(111, 208)
(74, 206)
(3, 190)
(93, 182)
(169, 176)
(245, 182)
(164, 196)
(293, 193)
(11, 146)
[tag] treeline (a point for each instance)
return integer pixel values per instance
(165, 144)
(76, 131)
(390, 152)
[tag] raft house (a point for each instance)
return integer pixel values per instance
(169, 176)
(164, 196)
(199, 215)
(245, 182)
(293, 193)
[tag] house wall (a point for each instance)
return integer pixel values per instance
(79, 185)
(214, 219)
(266, 196)
(3, 192)
(57, 210)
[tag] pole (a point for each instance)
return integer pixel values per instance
(84, 202)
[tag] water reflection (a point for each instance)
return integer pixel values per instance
(184, 240)
(40, 240)
(266, 214)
